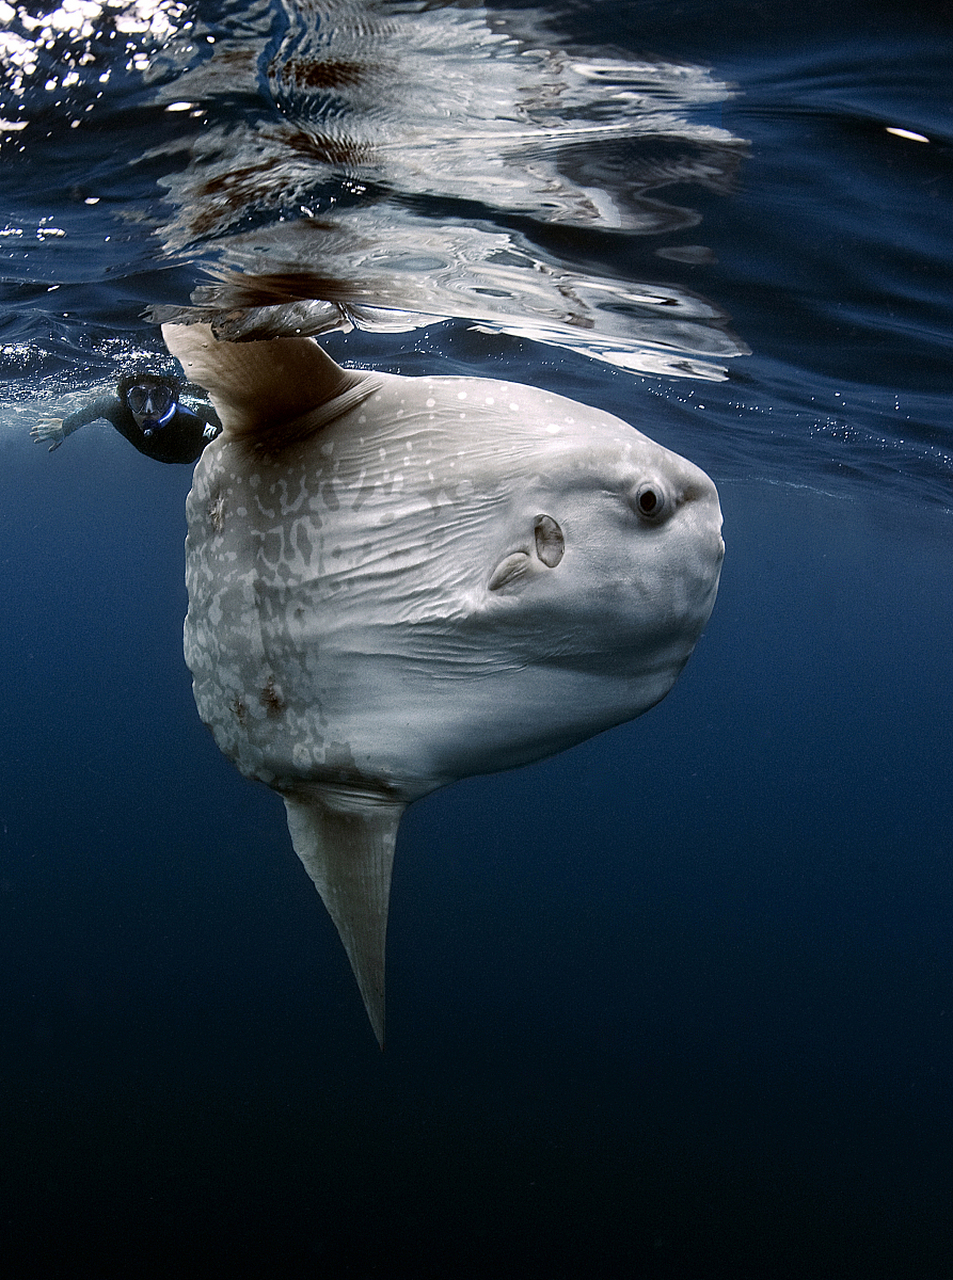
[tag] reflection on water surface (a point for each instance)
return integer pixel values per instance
(379, 165)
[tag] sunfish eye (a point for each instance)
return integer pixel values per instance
(650, 501)
(550, 543)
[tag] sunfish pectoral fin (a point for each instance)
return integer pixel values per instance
(346, 842)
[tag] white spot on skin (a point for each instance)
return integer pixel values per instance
(430, 402)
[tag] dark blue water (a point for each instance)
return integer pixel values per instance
(678, 1003)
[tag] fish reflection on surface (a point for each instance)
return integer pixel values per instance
(448, 162)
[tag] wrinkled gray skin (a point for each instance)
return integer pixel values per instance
(398, 582)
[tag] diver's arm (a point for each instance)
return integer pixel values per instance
(108, 407)
(57, 429)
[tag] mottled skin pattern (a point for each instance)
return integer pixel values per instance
(447, 577)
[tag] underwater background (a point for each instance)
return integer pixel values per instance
(676, 1003)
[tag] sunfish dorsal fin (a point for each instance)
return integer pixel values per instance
(346, 843)
(268, 393)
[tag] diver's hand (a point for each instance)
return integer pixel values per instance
(49, 429)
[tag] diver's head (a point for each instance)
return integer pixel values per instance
(152, 399)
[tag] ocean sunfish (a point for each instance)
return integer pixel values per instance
(397, 582)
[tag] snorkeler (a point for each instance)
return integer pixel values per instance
(146, 410)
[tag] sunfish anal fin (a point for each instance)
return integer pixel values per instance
(346, 842)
